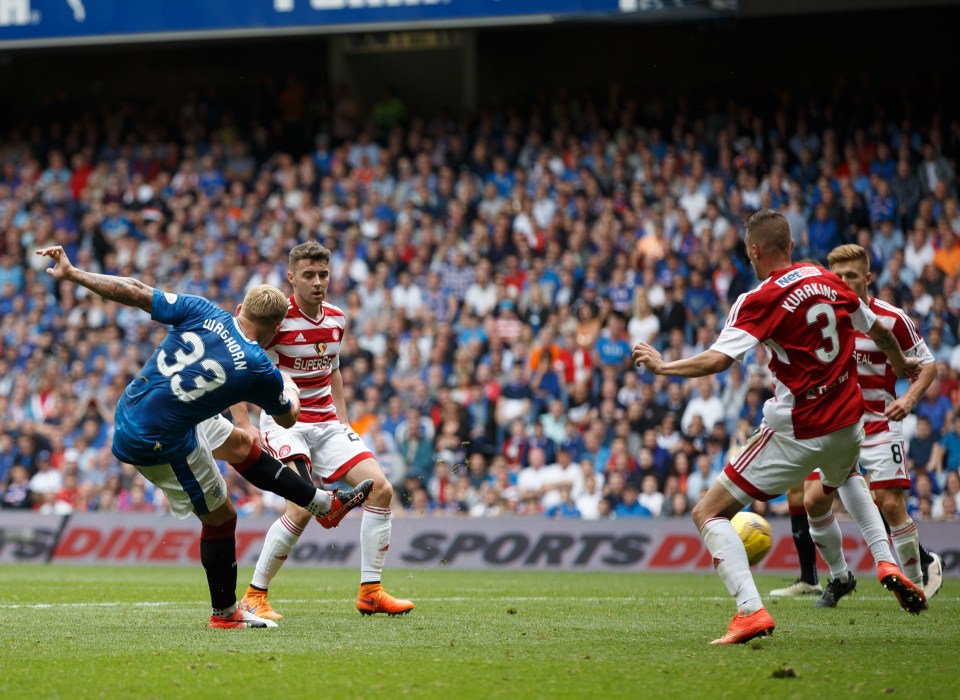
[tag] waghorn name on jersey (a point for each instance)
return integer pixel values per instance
(232, 344)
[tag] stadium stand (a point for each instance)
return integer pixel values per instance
(495, 268)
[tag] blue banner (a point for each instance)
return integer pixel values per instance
(64, 22)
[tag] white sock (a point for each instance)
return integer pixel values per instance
(320, 503)
(730, 561)
(825, 532)
(906, 540)
(375, 527)
(855, 495)
(224, 612)
(277, 545)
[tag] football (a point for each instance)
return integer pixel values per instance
(754, 532)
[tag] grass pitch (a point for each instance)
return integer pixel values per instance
(126, 632)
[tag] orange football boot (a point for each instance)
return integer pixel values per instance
(743, 628)
(911, 597)
(373, 599)
(255, 602)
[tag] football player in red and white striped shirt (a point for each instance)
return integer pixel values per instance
(307, 347)
(806, 316)
(882, 455)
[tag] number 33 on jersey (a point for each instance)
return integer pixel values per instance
(207, 364)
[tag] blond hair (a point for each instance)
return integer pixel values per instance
(769, 230)
(311, 250)
(848, 252)
(265, 305)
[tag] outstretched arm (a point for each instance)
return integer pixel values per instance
(124, 290)
(705, 363)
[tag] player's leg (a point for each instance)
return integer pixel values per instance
(277, 545)
(906, 542)
(218, 556)
(194, 485)
(765, 466)
(809, 581)
(375, 531)
(856, 497)
(826, 535)
(889, 477)
(712, 516)
(903, 531)
(263, 470)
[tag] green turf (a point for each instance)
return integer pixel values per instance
(125, 632)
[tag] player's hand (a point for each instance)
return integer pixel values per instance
(910, 369)
(254, 433)
(899, 409)
(646, 356)
(63, 267)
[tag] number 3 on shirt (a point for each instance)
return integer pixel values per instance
(828, 331)
(183, 360)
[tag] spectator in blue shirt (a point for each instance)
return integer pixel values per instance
(947, 452)
(698, 297)
(566, 508)
(630, 506)
(921, 447)
(823, 233)
(935, 407)
(612, 348)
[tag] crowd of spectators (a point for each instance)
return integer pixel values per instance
(495, 270)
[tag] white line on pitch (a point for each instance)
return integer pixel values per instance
(451, 599)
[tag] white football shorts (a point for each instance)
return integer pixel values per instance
(194, 485)
(331, 449)
(770, 462)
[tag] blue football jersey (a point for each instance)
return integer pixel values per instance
(203, 366)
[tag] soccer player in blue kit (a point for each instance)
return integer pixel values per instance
(208, 362)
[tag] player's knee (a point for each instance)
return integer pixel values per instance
(893, 507)
(699, 515)
(382, 494)
(237, 447)
(222, 514)
(816, 503)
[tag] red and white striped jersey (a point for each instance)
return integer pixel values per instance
(806, 316)
(309, 350)
(876, 377)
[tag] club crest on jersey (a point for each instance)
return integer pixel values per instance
(335, 334)
(797, 275)
(321, 348)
